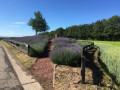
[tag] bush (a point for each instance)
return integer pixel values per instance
(66, 51)
(63, 44)
(30, 38)
(63, 39)
(66, 55)
(37, 43)
(37, 49)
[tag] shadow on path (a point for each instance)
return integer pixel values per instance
(97, 75)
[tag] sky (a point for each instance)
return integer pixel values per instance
(15, 14)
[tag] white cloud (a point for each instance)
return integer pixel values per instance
(19, 23)
(14, 26)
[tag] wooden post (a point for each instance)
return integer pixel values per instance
(17, 44)
(54, 75)
(83, 69)
(55, 35)
(83, 66)
(28, 49)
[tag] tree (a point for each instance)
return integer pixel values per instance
(105, 29)
(98, 30)
(60, 31)
(39, 23)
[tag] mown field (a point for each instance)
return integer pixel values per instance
(110, 55)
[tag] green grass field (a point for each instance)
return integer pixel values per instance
(109, 42)
(110, 55)
(117, 43)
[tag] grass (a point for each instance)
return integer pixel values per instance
(26, 60)
(110, 56)
(117, 43)
(23, 47)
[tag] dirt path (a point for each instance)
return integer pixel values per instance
(43, 69)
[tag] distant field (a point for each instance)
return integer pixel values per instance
(110, 54)
(108, 42)
(117, 43)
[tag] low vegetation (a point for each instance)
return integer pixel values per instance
(67, 51)
(37, 44)
(110, 54)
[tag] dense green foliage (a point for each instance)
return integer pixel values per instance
(60, 32)
(106, 29)
(39, 23)
(110, 54)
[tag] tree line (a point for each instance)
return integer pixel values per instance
(106, 29)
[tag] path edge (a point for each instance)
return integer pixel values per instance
(30, 83)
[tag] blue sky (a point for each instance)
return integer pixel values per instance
(15, 14)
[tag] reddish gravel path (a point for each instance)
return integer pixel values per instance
(43, 69)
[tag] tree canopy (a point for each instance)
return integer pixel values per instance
(39, 23)
(106, 29)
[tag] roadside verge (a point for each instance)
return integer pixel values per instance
(27, 81)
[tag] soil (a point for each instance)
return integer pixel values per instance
(42, 69)
(69, 78)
